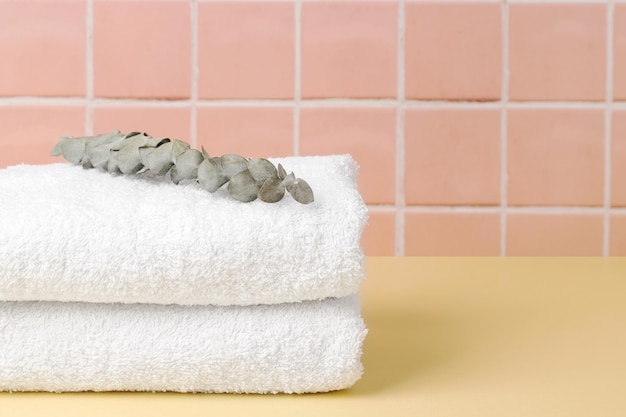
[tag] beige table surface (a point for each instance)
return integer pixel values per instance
(502, 337)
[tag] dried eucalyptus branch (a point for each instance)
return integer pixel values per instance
(135, 152)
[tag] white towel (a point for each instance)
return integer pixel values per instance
(69, 234)
(294, 348)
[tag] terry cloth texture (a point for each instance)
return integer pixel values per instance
(69, 234)
(294, 348)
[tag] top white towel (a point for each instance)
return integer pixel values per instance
(69, 234)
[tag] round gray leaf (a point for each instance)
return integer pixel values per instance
(272, 190)
(210, 176)
(301, 191)
(159, 160)
(233, 164)
(243, 187)
(187, 164)
(261, 169)
(73, 149)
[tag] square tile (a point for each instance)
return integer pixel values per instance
(43, 48)
(30, 132)
(557, 51)
(367, 134)
(618, 160)
(246, 50)
(453, 51)
(260, 132)
(452, 234)
(379, 235)
(452, 157)
(170, 122)
(556, 157)
(142, 49)
(349, 49)
(619, 52)
(554, 234)
(617, 243)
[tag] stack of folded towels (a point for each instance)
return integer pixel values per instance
(129, 283)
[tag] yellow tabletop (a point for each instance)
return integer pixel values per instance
(502, 337)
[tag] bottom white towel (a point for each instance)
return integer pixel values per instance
(294, 348)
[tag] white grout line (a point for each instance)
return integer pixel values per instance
(247, 103)
(310, 103)
(437, 104)
(89, 70)
(399, 249)
(297, 88)
(504, 178)
(497, 209)
(452, 209)
(608, 117)
(342, 102)
(455, 1)
(557, 1)
(547, 105)
(193, 117)
(555, 210)
(244, 1)
(43, 101)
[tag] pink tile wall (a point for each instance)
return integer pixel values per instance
(494, 127)
(453, 157)
(251, 131)
(42, 56)
(557, 51)
(141, 49)
(246, 50)
(471, 36)
(555, 157)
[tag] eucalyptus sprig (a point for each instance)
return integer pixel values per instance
(136, 152)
